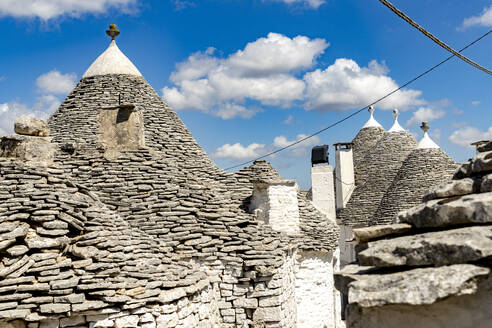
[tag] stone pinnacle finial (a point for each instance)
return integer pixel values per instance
(113, 31)
(396, 113)
(425, 127)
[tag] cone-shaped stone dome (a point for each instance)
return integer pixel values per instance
(367, 138)
(423, 168)
(381, 164)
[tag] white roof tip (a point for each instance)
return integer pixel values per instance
(112, 61)
(396, 126)
(372, 123)
(426, 141)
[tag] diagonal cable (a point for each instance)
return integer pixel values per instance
(360, 110)
(432, 37)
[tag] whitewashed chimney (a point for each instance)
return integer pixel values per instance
(345, 181)
(275, 203)
(323, 190)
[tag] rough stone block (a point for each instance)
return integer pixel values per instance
(35, 150)
(30, 126)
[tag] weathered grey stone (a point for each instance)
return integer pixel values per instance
(34, 241)
(486, 183)
(167, 320)
(365, 234)
(17, 250)
(31, 149)
(454, 188)
(72, 321)
(167, 296)
(487, 146)
(431, 248)
(417, 286)
(267, 314)
(30, 126)
(248, 303)
(130, 321)
(54, 308)
(474, 208)
(482, 162)
(14, 314)
(88, 305)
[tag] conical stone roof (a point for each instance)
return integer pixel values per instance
(382, 163)
(422, 169)
(163, 197)
(367, 138)
(363, 142)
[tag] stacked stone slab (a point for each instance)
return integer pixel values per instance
(431, 268)
(69, 261)
(365, 140)
(154, 234)
(380, 166)
(421, 170)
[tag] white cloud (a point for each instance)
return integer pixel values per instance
(277, 54)
(269, 72)
(475, 103)
(425, 114)
(262, 72)
(465, 136)
(436, 134)
(346, 85)
(254, 150)
(299, 150)
(49, 84)
(54, 82)
(238, 151)
(49, 9)
(228, 111)
(10, 111)
(314, 4)
(485, 19)
(183, 4)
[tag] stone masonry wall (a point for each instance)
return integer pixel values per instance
(198, 310)
(315, 292)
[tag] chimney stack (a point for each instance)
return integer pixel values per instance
(275, 203)
(322, 186)
(345, 181)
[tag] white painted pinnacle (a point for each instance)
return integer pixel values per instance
(396, 126)
(112, 61)
(426, 141)
(372, 121)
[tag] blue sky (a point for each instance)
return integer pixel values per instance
(249, 76)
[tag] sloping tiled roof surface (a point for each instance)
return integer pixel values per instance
(138, 218)
(422, 169)
(364, 140)
(380, 166)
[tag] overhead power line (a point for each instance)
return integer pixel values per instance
(432, 37)
(360, 110)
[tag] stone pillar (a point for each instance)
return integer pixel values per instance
(344, 173)
(323, 190)
(275, 203)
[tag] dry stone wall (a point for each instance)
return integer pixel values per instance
(364, 140)
(315, 293)
(137, 237)
(421, 170)
(432, 266)
(381, 164)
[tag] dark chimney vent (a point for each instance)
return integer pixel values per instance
(319, 155)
